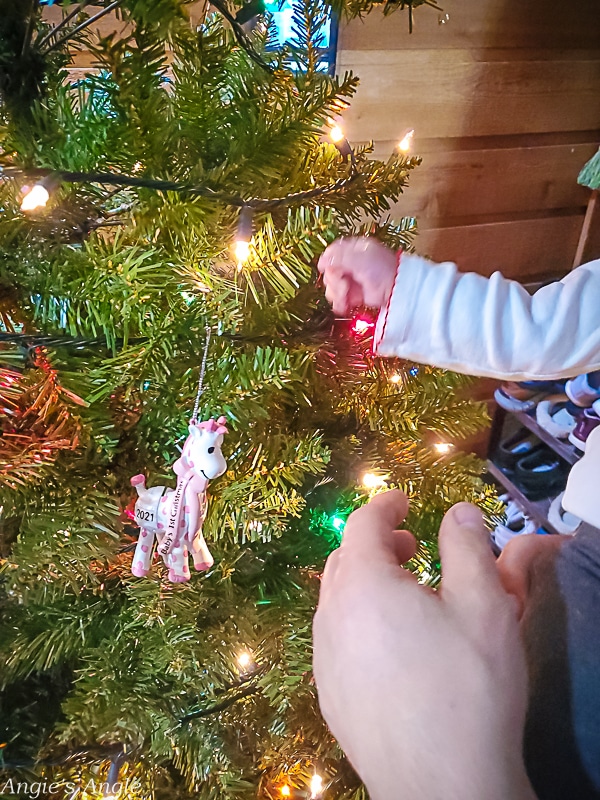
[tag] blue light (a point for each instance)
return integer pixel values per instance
(414, 371)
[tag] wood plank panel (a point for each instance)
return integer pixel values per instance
(479, 23)
(525, 250)
(592, 248)
(111, 23)
(453, 184)
(447, 93)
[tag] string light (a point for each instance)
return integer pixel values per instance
(241, 248)
(337, 136)
(285, 791)
(34, 198)
(112, 781)
(406, 142)
(360, 326)
(396, 378)
(443, 447)
(245, 661)
(370, 480)
(316, 786)
(51, 179)
(339, 523)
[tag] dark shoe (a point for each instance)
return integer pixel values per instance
(540, 473)
(586, 422)
(513, 449)
(549, 387)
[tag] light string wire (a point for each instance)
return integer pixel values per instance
(114, 179)
(31, 341)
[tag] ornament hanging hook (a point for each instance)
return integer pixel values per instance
(200, 391)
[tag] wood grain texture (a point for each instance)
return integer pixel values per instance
(522, 249)
(111, 23)
(443, 93)
(499, 181)
(475, 24)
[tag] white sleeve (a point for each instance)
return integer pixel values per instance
(492, 326)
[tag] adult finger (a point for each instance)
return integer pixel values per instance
(328, 576)
(469, 573)
(370, 536)
(517, 560)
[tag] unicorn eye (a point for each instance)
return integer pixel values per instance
(211, 449)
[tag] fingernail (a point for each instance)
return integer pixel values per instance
(466, 514)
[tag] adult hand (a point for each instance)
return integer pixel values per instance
(358, 271)
(425, 691)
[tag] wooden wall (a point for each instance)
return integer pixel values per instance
(505, 102)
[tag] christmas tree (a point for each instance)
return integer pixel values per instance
(179, 196)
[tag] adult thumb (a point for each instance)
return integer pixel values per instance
(469, 572)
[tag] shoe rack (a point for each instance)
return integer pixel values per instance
(537, 510)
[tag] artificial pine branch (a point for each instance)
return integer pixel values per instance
(121, 312)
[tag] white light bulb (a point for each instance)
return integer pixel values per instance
(245, 660)
(406, 142)
(316, 786)
(372, 481)
(396, 378)
(443, 447)
(336, 134)
(36, 197)
(285, 791)
(241, 250)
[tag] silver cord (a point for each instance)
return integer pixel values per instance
(200, 391)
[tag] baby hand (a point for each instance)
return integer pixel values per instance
(358, 271)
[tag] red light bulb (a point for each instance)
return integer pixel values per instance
(360, 326)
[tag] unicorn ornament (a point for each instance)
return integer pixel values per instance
(173, 518)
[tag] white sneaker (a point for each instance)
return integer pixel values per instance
(562, 521)
(553, 417)
(504, 533)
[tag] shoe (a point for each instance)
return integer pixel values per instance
(540, 473)
(548, 387)
(580, 392)
(513, 397)
(586, 422)
(519, 526)
(562, 521)
(553, 416)
(512, 449)
(512, 511)
(525, 395)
